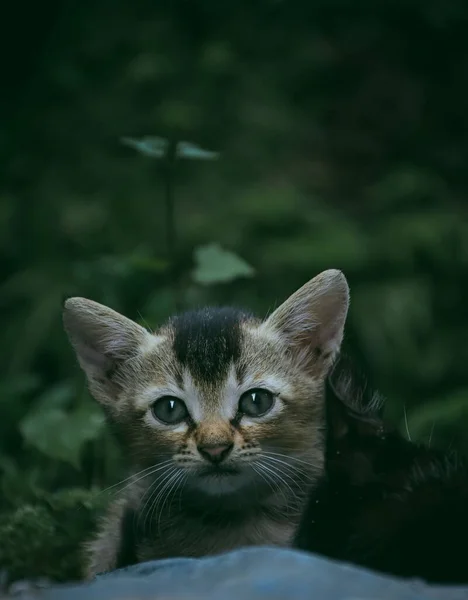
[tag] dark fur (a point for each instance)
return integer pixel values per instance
(386, 503)
(207, 341)
(127, 552)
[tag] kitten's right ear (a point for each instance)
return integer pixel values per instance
(101, 338)
(312, 320)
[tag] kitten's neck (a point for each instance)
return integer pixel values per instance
(193, 531)
(246, 520)
(283, 503)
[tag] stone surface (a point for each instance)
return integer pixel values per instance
(256, 573)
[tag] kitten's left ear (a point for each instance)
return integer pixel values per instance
(312, 319)
(102, 339)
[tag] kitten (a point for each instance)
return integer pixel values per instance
(386, 503)
(221, 415)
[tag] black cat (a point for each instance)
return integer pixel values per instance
(386, 503)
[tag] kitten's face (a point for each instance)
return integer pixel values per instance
(219, 403)
(219, 396)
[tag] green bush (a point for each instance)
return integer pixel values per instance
(45, 538)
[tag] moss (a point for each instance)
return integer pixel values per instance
(44, 538)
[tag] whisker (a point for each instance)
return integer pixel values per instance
(156, 470)
(406, 423)
(176, 481)
(284, 473)
(301, 466)
(297, 468)
(430, 436)
(161, 494)
(309, 464)
(280, 478)
(182, 489)
(141, 512)
(163, 464)
(158, 483)
(276, 487)
(300, 471)
(267, 481)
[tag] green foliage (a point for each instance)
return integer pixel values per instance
(61, 434)
(157, 147)
(193, 152)
(338, 150)
(216, 265)
(153, 147)
(45, 538)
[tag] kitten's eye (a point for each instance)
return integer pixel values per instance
(169, 410)
(256, 403)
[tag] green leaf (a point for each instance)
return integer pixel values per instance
(152, 146)
(157, 147)
(61, 434)
(216, 265)
(59, 395)
(194, 152)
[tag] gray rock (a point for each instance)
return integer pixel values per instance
(249, 574)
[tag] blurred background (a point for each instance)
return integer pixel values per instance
(320, 134)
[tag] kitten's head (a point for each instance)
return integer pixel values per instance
(223, 400)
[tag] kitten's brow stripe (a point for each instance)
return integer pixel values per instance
(208, 341)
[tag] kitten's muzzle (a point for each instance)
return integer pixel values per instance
(215, 453)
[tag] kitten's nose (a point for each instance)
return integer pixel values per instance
(215, 453)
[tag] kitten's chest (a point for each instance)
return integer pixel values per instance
(187, 538)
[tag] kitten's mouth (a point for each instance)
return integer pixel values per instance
(229, 482)
(218, 471)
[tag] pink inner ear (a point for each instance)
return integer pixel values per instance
(306, 327)
(91, 358)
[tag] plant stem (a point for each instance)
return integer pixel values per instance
(171, 233)
(171, 229)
